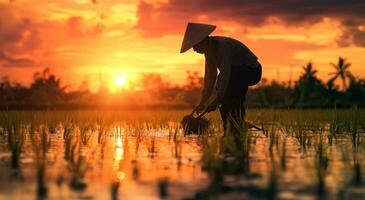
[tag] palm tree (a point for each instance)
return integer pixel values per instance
(342, 71)
(309, 71)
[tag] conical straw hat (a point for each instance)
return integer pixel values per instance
(195, 33)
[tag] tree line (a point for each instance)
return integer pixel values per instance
(153, 90)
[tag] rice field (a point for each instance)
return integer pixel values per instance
(144, 154)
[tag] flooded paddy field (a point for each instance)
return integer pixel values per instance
(298, 154)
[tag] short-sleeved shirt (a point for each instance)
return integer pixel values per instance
(223, 53)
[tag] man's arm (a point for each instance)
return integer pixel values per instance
(210, 77)
(225, 73)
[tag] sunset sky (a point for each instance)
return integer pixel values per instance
(116, 41)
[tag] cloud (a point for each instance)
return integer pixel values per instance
(158, 19)
(8, 61)
(77, 27)
(18, 39)
(353, 33)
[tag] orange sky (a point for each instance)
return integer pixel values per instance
(97, 40)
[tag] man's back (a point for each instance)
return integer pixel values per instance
(241, 55)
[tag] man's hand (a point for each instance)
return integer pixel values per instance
(199, 108)
(213, 105)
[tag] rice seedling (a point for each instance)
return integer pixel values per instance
(283, 155)
(357, 162)
(178, 150)
(241, 162)
(102, 130)
(15, 130)
(334, 128)
(77, 165)
(272, 186)
(68, 138)
(151, 146)
(135, 170)
(114, 190)
(138, 138)
(86, 132)
(321, 165)
(353, 126)
(301, 135)
(163, 185)
(273, 137)
(41, 143)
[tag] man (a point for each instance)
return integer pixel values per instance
(238, 69)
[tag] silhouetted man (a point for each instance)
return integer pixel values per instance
(238, 69)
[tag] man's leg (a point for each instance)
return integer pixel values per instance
(224, 115)
(232, 112)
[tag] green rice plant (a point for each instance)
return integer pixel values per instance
(321, 165)
(135, 170)
(353, 126)
(163, 186)
(178, 143)
(265, 130)
(272, 186)
(3, 123)
(114, 190)
(334, 128)
(103, 130)
(357, 177)
(301, 135)
(40, 144)
(86, 132)
(16, 137)
(283, 155)
(68, 137)
(78, 166)
(237, 143)
(273, 138)
(357, 163)
(138, 138)
(213, 164)
(151, 147)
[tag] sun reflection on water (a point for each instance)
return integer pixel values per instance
(119, 156)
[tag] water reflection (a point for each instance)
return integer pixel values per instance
(119, 156)
(274, 165)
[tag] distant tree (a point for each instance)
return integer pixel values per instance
(342, 71)
(46, 89)
(333, 94)
(309, 89)
(356, 92)
(6, 91)
(273, 95)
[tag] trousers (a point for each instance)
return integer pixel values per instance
(233, 103)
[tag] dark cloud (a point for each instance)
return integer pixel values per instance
(353, 33)
(18, 38)
(171, 17)
(8, 61)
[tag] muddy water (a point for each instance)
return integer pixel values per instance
(160, 163)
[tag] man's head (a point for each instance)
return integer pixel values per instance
(195, 33)
(202, 46)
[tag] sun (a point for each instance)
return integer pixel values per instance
(120, 81)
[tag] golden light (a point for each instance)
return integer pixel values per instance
(119, 153)
(120, 81)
